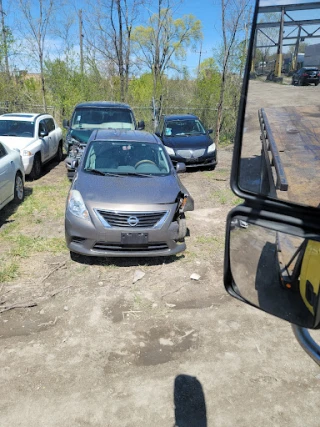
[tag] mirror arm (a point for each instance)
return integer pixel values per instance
(307, 342)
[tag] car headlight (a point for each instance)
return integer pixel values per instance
(170, 151)
(212, 148)
(76, 205)
(26, 153)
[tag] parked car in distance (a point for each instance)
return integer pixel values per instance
(126, 198)
(306, 76)
(11, 176)
(36, 136)
(186, 140)
(88, 116)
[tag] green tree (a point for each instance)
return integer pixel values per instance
(163, 40)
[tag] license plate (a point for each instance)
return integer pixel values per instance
(134, 238)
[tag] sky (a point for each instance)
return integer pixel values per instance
(207, 11)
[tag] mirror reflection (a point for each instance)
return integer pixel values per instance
(289, 291)
(281, 136)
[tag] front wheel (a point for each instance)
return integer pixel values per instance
(18, 188)
(36, 168)
(182, 228)
(59, 155)
(316, 84)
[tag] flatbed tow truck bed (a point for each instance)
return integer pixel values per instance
(290, 139)
(291, 151)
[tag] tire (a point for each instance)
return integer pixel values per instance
(70, 175)
(293, 82)
(59, 155)
(299, 83)
(36, 168)
(18, 188)
(182, 228)
(316, 84)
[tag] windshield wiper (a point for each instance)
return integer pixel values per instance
(97, 172)
(143, 175)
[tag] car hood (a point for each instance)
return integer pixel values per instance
(189, 142)
(127, 189)
(16, 142)
(81, 135)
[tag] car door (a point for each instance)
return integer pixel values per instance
(53, 137)
(7, 171)
(45, 140)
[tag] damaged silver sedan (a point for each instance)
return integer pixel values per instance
(126, 199)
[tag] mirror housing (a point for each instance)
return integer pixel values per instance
(141, 125)
(180, 167)
(43, 133)
(279, 270)
(158, 134)
(66, 123)
(75, 163)
(210, 131)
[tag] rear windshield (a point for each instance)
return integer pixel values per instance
(123, 157)
(183, 127)
(17, 128)
(102, 118)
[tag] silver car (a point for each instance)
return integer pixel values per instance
(126, 198)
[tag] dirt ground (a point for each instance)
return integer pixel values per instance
(100, 349)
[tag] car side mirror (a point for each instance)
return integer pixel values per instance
(210, 130)
(75, 164)
(141, 125)
(158, 134)
(66, 123)
(180, 167)
(43, 133)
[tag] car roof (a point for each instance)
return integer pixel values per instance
(22, 116)
(124, 135)
(180, 117)
(102, 104)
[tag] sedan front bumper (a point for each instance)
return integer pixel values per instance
(85, 238)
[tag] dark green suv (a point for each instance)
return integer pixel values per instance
(89, 116)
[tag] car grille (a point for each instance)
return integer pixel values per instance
(189, 154)
(118, 247)
(132, 219)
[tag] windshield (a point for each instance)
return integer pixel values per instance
(16, 128)
(184, 127)
(126, 158)
(103, 118)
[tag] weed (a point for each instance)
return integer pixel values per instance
(9, 272)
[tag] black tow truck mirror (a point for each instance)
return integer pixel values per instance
(279, 270)
(66, 123)
(141, 125)
(272, 259)
(210, 131)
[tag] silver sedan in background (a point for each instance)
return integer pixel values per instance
(126, 198)
(11, 176)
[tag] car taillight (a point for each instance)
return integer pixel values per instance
(318, 74)
(305, 74)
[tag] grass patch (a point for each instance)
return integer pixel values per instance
(217, 242)
(23, 246)
(9, 272)
(226, 197)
